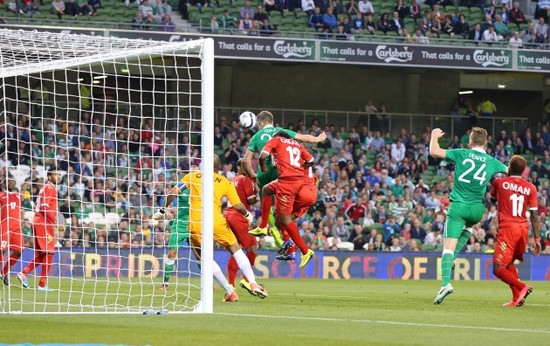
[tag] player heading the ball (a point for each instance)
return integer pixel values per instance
(266, 130)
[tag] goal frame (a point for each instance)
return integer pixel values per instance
(205, 305)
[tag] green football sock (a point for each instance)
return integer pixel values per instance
(446, 267)
(169, 265)
(462, 241)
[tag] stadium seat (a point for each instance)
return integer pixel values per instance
(96, 218)
(345, 245)
(112, 218)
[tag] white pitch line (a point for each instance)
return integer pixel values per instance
(411, 324)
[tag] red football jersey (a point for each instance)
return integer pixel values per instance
(10, 210)
(288, 156)
(309, 176)
(45, 210)
(246, 188)
(514, 195)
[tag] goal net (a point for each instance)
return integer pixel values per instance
(123, 120)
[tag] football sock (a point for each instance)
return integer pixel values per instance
(169, 265)
(46, 264)
(14, 257)
(220, 278)
(292, 229)
(513, 270)
(37, 260)
(462, 241)
(446, 267)
(506, 276)
(232, 268)
(251, 257)
(244, 265)
(267, 201)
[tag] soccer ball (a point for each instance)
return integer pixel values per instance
(247, 119)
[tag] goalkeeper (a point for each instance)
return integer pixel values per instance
(222, 234)
(264, 121)
(179, 231)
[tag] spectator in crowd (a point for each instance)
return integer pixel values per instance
(166, 24)
(266, 29)
(138, 23)
(365, 7)
(490, 36)
(58, 8)
(316, 19)
(259, 16)
(383, 23)
(515, 41)
(329, 20)
(246, 9)
(516, 15)
(476, 34)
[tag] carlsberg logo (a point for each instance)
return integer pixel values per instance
(292, 49)
(490, 58)
(393, 54)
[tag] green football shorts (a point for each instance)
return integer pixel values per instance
(265, 178)
(178, 233)
(462, 215)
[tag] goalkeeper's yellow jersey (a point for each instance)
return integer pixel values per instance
(222, 188)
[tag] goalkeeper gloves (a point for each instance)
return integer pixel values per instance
(159, 215)
(249, 217)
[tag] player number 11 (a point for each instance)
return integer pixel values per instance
(517, 204)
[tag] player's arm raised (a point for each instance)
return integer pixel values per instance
(246, 162)
(435, 149)
(310, 138)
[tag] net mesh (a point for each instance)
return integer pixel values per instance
(122, 120)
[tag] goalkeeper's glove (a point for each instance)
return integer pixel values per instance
(159, 215)
(249, 217)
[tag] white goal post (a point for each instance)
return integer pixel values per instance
(123, 120)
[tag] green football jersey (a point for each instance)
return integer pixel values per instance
(260, 139)
(473, 171)
(183, 206)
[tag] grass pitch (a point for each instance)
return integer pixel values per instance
(316, 312)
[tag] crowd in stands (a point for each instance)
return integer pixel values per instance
(148, 16)
(379, 191)
(413, 21)
(407, 21)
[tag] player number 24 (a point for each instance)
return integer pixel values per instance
(480, 174)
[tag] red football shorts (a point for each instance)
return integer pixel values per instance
(11, 239)
(239, 226)
(44, 237)
(286, 193)
(306, 198)
(510, 244)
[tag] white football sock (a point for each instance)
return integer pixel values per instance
(244, 266)
(220, 278)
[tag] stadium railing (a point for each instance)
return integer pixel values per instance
(413, 123)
